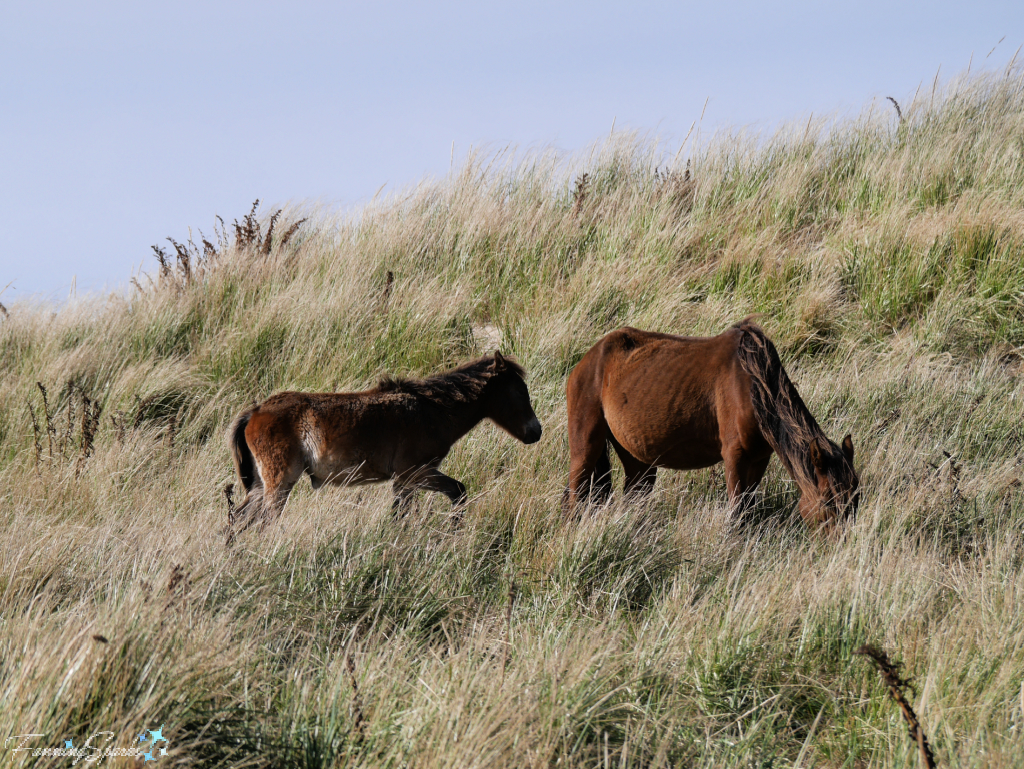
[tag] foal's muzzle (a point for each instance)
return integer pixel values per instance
(532, 432)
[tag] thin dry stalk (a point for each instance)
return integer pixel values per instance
(209, 250)
(51, 431)
(899, 112)
(889, 672)
(389, 282)
(357, 701)
(265, 250)
(184, 261)
(508, 626)
(248, 232)
(161, 257)
(229, 494)
(69, 430)
(290, 232)
(36, 436)
(90, 426)
(172, 429)
(178, 584)
(117, 419)
(579, 194)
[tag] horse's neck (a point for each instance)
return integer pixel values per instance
(798, 451)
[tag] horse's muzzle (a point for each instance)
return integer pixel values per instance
(532, 432)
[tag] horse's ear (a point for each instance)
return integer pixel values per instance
(499, 364)
(848, 448)
(816, 457)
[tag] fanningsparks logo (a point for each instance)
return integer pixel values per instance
(146, 746)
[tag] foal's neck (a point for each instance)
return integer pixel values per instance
(462, 417)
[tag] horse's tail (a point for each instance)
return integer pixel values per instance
(779, 410)
(245, 465)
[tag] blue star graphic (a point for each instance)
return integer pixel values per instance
(158, 734)
(69, 745)
(142, 737)
(148, 757)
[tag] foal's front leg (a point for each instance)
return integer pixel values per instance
(434, 480)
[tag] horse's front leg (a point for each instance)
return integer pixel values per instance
(742, 475)
(590, 471)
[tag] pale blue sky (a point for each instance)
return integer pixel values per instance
(123, 123)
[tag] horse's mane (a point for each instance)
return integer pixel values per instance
(784, 420)
(460, 385)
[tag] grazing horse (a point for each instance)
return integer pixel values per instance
(399, 431)
(689, 402)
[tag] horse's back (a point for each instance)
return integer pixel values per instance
(631, 361)
(664, 396)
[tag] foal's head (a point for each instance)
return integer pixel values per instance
(508, 401)
(835, 496)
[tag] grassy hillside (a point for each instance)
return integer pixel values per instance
(885, 259)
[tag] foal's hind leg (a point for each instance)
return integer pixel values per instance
(246, 514)
(265, 502)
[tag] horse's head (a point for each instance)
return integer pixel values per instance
(835, 495)
(508, 401)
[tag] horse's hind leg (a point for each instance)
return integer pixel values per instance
(640, 476)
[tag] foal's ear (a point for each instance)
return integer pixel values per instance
(848, 448)
(499, 364)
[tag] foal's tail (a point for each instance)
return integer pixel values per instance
(245, 466)
(784, 420)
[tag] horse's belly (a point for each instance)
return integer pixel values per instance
(672, 430)
(676, 446)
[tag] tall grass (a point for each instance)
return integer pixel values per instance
(884, 258)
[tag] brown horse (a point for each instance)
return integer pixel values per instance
(689, 402)
(399, 431)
